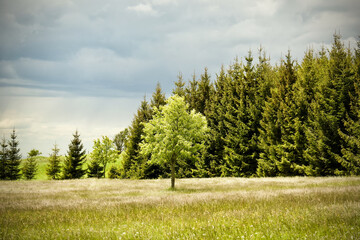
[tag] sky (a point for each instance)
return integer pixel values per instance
(86, 65)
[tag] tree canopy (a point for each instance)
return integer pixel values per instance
(173, 134)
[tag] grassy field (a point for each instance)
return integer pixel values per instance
(218, 208)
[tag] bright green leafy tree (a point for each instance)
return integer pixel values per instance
(173, 134)
(104, 152)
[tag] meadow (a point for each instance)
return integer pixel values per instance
(217, 208)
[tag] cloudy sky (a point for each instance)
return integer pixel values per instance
(86, 65)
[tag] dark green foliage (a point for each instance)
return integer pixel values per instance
(30, 166)
(286, 120)
(158, 98)
(95, 170)
(53, 168)
(241, 121)
(350, 149)
(179, 86)
(14, 158)
(114, 172)
(73, 164)
(211, 163)
(132, 161)
(3, 159)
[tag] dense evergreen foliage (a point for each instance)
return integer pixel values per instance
(295, 118)
(74, 160)
(53, 169)
(30, 166)
(13, 158)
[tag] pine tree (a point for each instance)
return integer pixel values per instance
(73, 164)
(328, 111)
(210, 164)
(192, 94)
(14, 158)
(95, 169)
(30, 166)
(241, 120)
(158, 97)
(132, 161)
(350, 149)
(53, 169)
(279, 152)
(205, 90)
(179, 86)
(3, 159)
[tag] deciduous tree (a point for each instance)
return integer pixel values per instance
(173, 134)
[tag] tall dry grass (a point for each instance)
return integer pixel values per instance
(217, 208)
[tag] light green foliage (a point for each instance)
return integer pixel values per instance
(173, 134)
(104, 152)
(30, 166)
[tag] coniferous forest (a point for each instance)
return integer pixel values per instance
(295, 118)
(291, 119)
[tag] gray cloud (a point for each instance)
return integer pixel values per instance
(113, 52)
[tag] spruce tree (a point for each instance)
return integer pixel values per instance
(241, 120)
(328, 111)
(205, 90)
(14, 158)
(132, 161)
(30, 166)
(192, 94)
(350, 149)
(3, 159)
(75, 158)
(279, 154)
(179, 86)
(158, 98)
(210, 164)
(53, 169)
(94, 169)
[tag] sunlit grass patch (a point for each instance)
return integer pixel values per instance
(219, 208)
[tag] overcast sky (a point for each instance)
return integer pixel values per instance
(86, 65)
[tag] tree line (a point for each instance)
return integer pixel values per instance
(291, 119)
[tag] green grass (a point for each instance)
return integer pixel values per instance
(218, 208)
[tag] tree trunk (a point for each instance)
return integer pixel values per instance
(172, 174)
